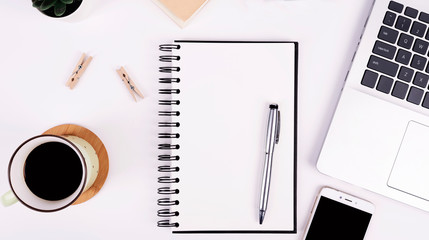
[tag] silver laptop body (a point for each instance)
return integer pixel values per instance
(379, 135)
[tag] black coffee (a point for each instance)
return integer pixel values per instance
(53, 171)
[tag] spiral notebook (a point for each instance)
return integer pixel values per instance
(213, 110)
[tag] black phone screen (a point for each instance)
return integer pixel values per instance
(334, 220)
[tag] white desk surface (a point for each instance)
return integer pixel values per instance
(38, 54)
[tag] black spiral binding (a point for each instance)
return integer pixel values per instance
(169, 129)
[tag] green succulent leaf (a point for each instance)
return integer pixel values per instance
(37, 3)
(67, 1)
(47, 4)
(59, 8)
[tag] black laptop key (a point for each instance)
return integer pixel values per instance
(369, 79)
(418, 29)
(400, 90)
(418, 62)
(397, 7)
(380, 65)
(406, 74)
(426, 101)
(384, 84)
(389, 18)
(405, 41)
(411, 12)
(415, 95)
(388, 34)
(421, 80)
(403, 23)
(421, 46)
(384, 49)
(424, 17)
(403, 57)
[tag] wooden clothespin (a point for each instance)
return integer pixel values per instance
(131, 86)
(78, 71)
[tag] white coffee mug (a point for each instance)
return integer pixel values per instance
(21, 167)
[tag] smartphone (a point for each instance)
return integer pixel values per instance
(337, 215)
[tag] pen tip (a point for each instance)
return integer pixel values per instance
(261, 216)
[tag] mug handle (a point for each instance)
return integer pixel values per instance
(8, 199)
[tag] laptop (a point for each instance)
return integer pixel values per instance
(379, 135)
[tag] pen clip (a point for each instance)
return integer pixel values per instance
(278, 127)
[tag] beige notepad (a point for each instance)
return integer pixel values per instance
(181, 11)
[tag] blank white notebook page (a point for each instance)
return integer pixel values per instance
(225, 93)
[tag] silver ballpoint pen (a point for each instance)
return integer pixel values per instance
(273, 131)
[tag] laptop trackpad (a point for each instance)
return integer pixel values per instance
(410, 173)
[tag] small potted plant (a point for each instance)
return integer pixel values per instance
(57, 8)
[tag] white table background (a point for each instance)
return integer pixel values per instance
(38, 54)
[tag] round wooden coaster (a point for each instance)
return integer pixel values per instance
(97, 144)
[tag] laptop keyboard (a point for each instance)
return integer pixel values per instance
(399, 65)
